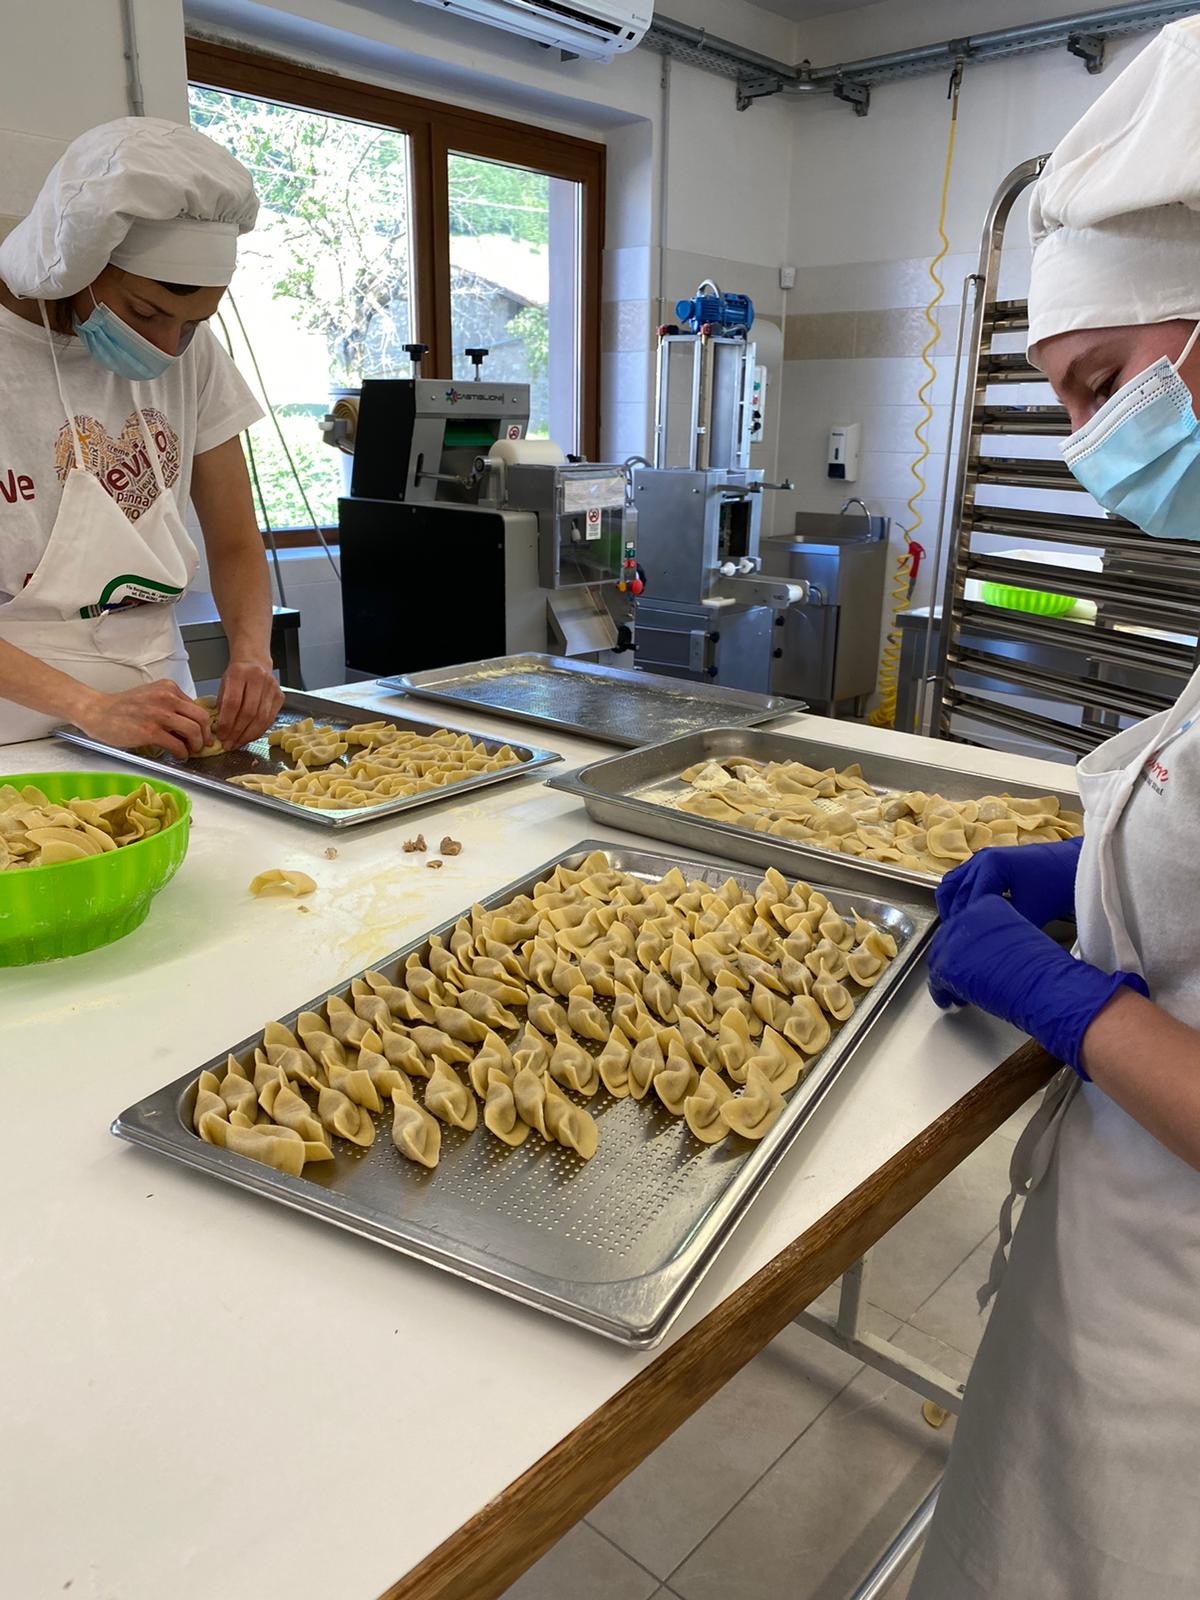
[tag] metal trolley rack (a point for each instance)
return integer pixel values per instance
(1061, 682)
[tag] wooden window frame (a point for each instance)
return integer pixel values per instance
(435, 131)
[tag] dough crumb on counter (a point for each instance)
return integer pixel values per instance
(411, 845)
(451, 847)
(434, 865)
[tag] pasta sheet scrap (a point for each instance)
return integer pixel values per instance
(36, 831)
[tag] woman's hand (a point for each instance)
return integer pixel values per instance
(990, 956)
(1039, 879)
(248, 702)
(153, 713)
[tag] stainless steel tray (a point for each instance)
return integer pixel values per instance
(606, 703)
(634, 791)
(616, 1244)
(213, 772)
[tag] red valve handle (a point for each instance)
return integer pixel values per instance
(917, 552)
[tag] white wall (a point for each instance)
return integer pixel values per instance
(62, 70)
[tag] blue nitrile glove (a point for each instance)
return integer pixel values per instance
(989, 956)
(1038, 878)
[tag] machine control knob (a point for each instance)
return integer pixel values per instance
(728, 569)
(416, 353)
(714, 638)
(712, 672)
(476, 355)
(779, 621)
(778, 654)
(636, 586)
(747, 564)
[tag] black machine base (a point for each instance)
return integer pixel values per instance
(420, 589)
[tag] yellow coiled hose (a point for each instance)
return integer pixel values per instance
(884, 715)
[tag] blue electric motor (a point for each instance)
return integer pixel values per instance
(732, 313)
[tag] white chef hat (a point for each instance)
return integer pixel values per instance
(153, 197)
(1114, 218)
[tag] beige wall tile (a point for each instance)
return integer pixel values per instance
(823, 336)
(899, 331)
(867, 334)
(903, 331)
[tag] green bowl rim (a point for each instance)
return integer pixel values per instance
(1023, 588)
(183, 800)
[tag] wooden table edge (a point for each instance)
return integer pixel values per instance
(500, 1542)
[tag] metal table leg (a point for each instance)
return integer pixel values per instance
(847, 1334)
(874, 1585)
(939, 1391)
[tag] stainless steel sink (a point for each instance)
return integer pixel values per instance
(831, 527)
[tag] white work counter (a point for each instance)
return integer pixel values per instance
(207, 1395)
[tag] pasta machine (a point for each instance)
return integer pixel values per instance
(707, 609)
(461, 537)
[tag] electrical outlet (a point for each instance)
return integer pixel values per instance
(787, 277)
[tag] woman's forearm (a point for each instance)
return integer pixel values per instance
(242, 590)
(1150, 1065)
(31, 683)
(237, 561)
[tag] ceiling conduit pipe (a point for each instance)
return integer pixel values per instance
(1083, 33)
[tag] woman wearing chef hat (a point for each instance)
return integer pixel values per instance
(1075, 1473)
(118, 405)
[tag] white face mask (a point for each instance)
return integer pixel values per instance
(1139, 456)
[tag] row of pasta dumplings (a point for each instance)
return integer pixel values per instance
(36, 831)
(384, 763)
(840, 811)
(713, 1000)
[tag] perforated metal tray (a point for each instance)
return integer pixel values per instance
(606, 703)
(617, 1244)
(635, 792)
(214, 772)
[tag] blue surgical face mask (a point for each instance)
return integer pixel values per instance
(1139, 456)
(113, 344)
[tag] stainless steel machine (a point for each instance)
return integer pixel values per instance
(463, 538)
(706, 609)
(796, 615)
(827, 647)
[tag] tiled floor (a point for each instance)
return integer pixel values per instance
(791, 1482)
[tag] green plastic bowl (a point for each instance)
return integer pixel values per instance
(50, 912)
(1039, 602)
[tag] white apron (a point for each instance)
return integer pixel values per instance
(1075, 1472)
(101, 604)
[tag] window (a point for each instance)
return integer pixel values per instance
(386, 221)
(514, 285)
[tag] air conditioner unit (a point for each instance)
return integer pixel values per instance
(597, 28)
